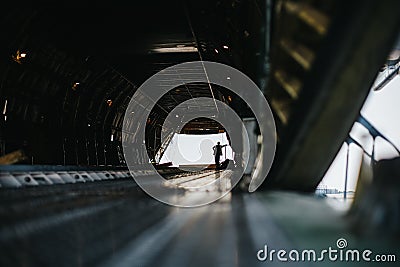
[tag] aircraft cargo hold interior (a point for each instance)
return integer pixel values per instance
(200, 133)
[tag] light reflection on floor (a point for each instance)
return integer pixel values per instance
(204, 187)
(209, 181)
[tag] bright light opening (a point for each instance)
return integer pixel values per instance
(191, 149)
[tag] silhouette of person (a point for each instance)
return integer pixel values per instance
(218, 153)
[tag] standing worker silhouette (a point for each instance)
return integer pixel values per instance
(218, 153)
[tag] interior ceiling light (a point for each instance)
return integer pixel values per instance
(175, 49)
(19, 56)
(5, 107)
(225, 46)
(216, 51)
(75, 86)
(109, 102)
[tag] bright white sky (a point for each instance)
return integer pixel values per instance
(382, 110)
(187, 149)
